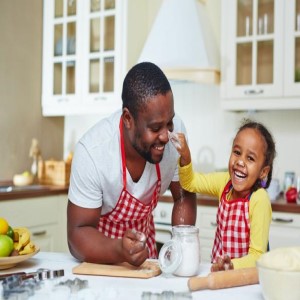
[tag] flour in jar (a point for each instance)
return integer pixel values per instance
(188, 237)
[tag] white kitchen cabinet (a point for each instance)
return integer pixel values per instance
(292, 48)
(260, 54)
(88, 46)
(45, 217)
(206, 222)
(284, 230)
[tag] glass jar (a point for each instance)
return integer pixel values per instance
(181, 255)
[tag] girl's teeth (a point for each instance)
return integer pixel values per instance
(238, 174)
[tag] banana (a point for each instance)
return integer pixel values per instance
(23, 237)
(29, 248)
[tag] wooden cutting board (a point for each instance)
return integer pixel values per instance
(146, 270)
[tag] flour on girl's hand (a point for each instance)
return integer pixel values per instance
(174, 139)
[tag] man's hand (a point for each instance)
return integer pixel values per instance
(135, 249)
(222, 264)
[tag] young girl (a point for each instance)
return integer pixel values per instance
(244, 213)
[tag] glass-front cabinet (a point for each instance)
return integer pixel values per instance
(100, 59)
(61, 54)
(86, 53)
(260, 54)
(292, 43)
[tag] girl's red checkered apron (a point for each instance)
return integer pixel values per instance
(233, 227)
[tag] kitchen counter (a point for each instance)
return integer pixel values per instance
(106, 287)
(30, 191)
(280, 205)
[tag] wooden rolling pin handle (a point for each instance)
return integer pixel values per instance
(224, 279)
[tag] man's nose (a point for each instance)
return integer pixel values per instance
(164, 137)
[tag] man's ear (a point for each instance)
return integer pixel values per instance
(127, 118)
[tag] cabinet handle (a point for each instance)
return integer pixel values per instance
(39, 233)
(100, 98)
(163, 214)
(62, 100)
(253, 92)
(214, 224)
(280, 220)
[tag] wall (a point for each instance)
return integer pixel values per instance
(210, 129)
(20, 89)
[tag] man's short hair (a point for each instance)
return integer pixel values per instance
(143, 81)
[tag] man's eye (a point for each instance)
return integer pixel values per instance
(155, 129)
(251, 158)
(236, 152)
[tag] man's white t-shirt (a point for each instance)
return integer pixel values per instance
(96, 172)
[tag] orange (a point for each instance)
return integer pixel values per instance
(6, 245)
(3, 226)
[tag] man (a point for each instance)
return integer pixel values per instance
(119, 169)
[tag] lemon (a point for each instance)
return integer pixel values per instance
(26, 174)
(6, 245)
(3, 226)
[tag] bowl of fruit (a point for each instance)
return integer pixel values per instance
(15, 245)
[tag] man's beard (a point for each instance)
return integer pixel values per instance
(143, 153)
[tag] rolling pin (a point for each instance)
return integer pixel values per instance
(224, 279)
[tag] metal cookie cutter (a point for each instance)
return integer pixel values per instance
(24, 284)
(42, 274)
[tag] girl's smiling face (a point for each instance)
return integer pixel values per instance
(246, 162)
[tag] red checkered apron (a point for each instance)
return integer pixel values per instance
(233, 227)
(131, 213)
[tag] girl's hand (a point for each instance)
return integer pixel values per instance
(222, 264)
(179, 142)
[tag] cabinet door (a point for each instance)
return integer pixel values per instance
(292, 48)
(284, 230)
(101, 59)
(206, 222)
(45, 237)
(61, 52)
(45, 217)
(253, 54)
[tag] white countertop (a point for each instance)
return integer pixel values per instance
(104, 287)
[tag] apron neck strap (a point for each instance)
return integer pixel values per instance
(122, 146)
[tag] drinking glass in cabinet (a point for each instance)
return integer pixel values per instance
(72, 6)
(265, 17)
(244, 18)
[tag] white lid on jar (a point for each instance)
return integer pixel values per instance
(170, 256)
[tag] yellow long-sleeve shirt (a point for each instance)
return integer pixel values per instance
(260, 210)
